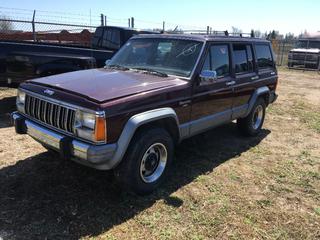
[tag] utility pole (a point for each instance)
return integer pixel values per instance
(105, 20)
(129, 22)
(163, 26)
(132, 22)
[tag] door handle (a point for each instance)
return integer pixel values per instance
(230, 83)
(184, 103)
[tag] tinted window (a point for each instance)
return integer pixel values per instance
(264, 56)
(218, 60)
(111, 39)
(97, 36)
(243, 58)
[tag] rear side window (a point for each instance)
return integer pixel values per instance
(264, 56)
(218, 60)
(111, 39)
(242, 55)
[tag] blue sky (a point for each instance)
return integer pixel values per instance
(285, 16)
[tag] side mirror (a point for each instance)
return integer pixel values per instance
(107, 62)
(208, 76)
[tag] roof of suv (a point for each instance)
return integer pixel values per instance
(197, 37)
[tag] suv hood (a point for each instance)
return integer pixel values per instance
(306, 50)
(102, 85)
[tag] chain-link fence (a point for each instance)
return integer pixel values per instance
(281, 49)
(78, 29)
(20, 30)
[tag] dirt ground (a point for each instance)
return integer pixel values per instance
(222, 186)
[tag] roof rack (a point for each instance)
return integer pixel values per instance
(209, 31)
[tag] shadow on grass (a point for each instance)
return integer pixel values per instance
(45, 197)
(7, 106)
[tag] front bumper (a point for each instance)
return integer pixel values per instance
(95, 156)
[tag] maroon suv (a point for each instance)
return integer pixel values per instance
(156, 91)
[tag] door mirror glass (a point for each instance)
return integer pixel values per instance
(107, 62)
(208, 76)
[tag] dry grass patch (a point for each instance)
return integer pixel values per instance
(223, 186)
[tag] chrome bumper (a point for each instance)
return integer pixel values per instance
(95, 156)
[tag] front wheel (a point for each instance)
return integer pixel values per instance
(252, 124)
(146, 162)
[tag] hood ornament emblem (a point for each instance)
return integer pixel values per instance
(48, 92)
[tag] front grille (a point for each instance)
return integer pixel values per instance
(304, 56)
(52, 114)
(299, 56)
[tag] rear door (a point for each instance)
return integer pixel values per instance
(265, 62)
(245, 76)
(212, 100)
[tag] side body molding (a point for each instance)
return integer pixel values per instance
(258, 92)
(132, 125)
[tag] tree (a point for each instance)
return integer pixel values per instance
(236, 30)
(273, 35)
(5, 24)
(289, 36)
(256, 33)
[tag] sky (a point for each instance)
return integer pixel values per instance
(282, 15)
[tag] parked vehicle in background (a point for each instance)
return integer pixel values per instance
(156, 91)
(306, 53)
(20, 60)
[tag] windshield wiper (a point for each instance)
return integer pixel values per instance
(117, 67)
(151, 71)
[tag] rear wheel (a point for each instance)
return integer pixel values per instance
(146, 162)
(252, 124)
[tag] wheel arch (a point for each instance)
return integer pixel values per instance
(262, 92)
(162, 117)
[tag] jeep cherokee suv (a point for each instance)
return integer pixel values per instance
(156, 91)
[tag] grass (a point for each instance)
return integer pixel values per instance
(222, 185)
(307, 115)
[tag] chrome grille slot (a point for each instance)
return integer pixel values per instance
(50, 113)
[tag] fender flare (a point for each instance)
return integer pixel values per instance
(257, 93)
(133, 124)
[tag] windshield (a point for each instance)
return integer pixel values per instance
(167, 56)
(308, 44)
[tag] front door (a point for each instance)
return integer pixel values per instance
(212, 99)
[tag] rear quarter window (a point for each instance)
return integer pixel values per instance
(264, 55)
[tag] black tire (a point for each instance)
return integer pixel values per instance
(250, 126)
(129, 174)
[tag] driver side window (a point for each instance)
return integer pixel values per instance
(218, 60)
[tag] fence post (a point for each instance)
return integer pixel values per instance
(282, 54)
(34, 27)
(102, 19)
(163, 26)
(129, 24)
(208, 29)
(105, 20)
(132, 22)
(279, 53)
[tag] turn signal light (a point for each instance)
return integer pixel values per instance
(100, 131)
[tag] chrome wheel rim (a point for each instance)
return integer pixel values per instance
(257, 117)
(153, 163)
